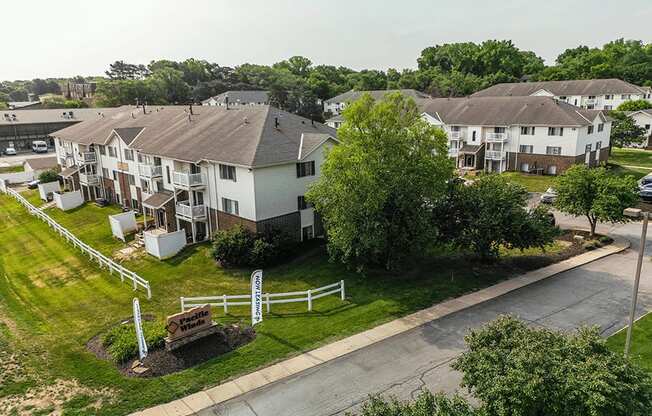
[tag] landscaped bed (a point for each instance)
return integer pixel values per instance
(54, 300)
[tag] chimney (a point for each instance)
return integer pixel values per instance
(245, 120)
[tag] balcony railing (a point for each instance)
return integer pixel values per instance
(150, 171)
(191, 213)
(455, 135)
(591, 101)
(63, 152)
(87, 157)
(496, 137)
(89, 179)
(187, 180)
(494, 155)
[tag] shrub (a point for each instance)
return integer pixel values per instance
(426, 404)
(239, 247)
(48, 176)
(121, 343)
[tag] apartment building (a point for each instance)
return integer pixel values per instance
(338, 103)
(643, 118)
(531, 133)
(596, 94)
(238, 98)
(201, 169)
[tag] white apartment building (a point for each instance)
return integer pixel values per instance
(203, 169)
(337, 104)
(596, 94)
(530, 134)
(643, 118)
(238, 98)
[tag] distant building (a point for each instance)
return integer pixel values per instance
(78, 91)
(335, 122)
(40, 165)
(336, 104)
(19, 128)
(238, 98)
(593, 94)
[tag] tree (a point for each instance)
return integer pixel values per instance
(121, 70)
(48, 176)
(517, 370)
(375, 186)
(595, 194)
(426, 404)
(634, 105)
(625, 131)
(490, 214)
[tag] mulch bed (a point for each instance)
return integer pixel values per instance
(160, 362)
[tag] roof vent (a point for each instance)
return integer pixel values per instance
(276, 124)
(245, 121)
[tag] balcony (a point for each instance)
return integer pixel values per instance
(456, 135)
(89, 179)
(494, 155)
(150, 171)
(187, 180)
(86, 158)
(65, 153)
(496, 137)
(591, 101)
(190, 213)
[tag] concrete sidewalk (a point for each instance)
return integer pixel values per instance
(247, 383)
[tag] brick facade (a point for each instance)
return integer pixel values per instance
(539, 161)
(289, 223)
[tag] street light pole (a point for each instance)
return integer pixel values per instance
(637, 278)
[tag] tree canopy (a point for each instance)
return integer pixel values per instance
(375, 186)
(634, 105)
(625, 131)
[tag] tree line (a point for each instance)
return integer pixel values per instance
(296, 84)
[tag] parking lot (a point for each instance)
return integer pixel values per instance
(21, 157)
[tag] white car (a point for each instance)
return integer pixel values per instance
(10, 151)
(549, 196)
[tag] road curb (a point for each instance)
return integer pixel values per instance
(201, 400)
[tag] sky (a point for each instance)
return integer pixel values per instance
(64, 38)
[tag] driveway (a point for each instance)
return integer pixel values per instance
(597, 293)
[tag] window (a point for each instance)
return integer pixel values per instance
(230, 206)
(144, 185)
(526, 148)
(167, 173)
(587, 149)
(112, 152)
(131, 179)
(626, 96)
(608, 97)
(102, 150)
(608, 107)
(562, 97)
(115, 174)
(527, 131)
(227, 172)
(129, 154)
(307, 233)
(600, 127)
(302, 203)
(134, 203)
(555, 131)
(105, 172)
(590, 130)
(647, 127)
(553, 150)
(474, 135)
(140, 158)
(305, 169)
(598, 146)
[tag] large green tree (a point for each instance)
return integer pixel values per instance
(375, 187)
(625, 131)
(596, 194)
(516, 370)
(635, 105)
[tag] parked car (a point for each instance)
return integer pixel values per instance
(33, 184)
(549, 196)
(39, 146)
(10, 151)
(645, 180)
(645, 192)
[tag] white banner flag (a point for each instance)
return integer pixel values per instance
(256, 297)
(142, 345)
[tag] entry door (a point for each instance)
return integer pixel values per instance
(160, 218)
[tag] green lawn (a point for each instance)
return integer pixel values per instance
(533, 183)
(637, 173)
(641, 349)
(11, 169)
(631, 157)
(53, 300)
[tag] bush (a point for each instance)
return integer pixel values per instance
(239, 247)
(48, 176)
(426, 404)
(121, 343)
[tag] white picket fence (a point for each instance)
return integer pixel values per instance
(76, 242)
(224, 301)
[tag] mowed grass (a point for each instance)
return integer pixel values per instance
(54, 297)
(631, 157)
(12, 169)
(620, 171)
(533, 183)
(641, 347)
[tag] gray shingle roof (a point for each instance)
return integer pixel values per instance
(507, 111)
(252, 96)
(38, 116)
(561, 88)
(128, 134)
(158, 199)
(245, 136)
(40, 163)
(376, 94)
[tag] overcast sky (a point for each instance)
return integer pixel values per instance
(65, 37)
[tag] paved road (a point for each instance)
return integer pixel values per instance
(20, 158)
(596, 294)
